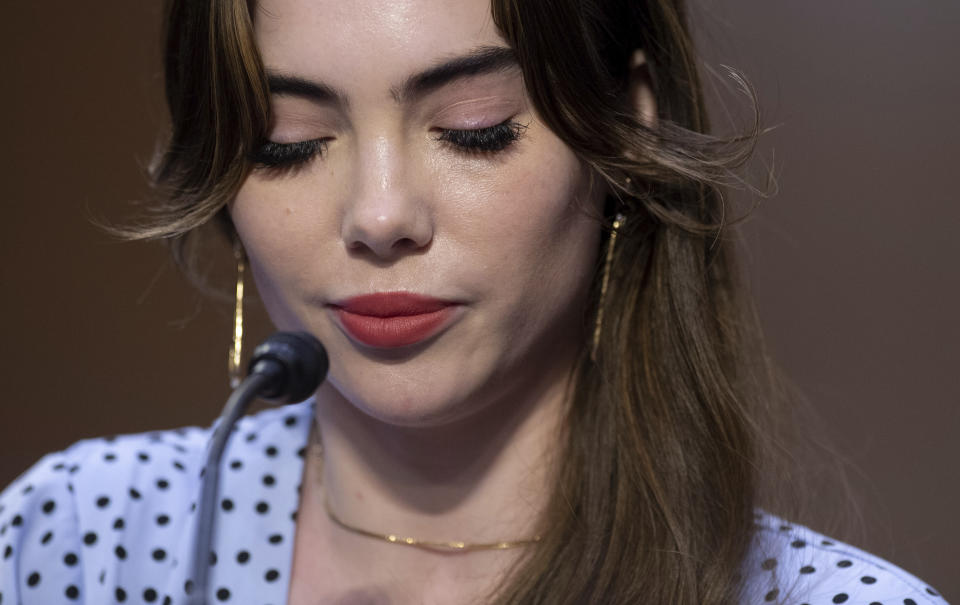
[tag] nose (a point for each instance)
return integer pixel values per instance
(388, 215)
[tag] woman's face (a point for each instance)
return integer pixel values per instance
(407, 159)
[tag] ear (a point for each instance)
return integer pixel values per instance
(640, 89)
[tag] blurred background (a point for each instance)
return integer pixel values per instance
(854, 264)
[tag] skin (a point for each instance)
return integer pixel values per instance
(450, 439)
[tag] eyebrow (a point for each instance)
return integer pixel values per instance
(482, 60)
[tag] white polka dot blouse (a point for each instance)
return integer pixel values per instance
(111, 521)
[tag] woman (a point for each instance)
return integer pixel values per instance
(503, 222)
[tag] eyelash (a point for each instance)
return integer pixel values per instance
(493, 139)
(287, 155)
(484, 140)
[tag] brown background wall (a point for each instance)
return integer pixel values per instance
(854, 263)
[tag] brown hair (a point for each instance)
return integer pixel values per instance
(658, 479)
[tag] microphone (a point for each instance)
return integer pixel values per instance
(297, 363)
(285, 368)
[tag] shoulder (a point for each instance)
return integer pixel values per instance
(81, 523)
(790, 563)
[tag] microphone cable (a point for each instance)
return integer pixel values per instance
(286, 368)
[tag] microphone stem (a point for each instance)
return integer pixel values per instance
(236, 405)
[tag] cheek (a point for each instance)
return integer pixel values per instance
(276, 231)
(531, 224)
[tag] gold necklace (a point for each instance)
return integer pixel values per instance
(455, 546)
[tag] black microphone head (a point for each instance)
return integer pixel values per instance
(302, 362)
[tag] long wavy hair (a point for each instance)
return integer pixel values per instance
(660, 470)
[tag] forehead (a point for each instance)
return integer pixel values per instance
(353, 42)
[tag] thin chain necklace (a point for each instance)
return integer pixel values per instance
(454, 546)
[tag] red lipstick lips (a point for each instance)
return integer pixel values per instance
(393, 319)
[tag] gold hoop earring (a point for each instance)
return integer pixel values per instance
(236, 349)
(604, 280)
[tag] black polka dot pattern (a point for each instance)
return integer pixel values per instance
(118, 510)
(104, 522)
(790, 559)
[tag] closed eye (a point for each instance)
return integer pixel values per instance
(277, 156)
(271, 155)
(484, 140)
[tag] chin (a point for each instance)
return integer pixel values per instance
(420, 415)
(414, 397)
